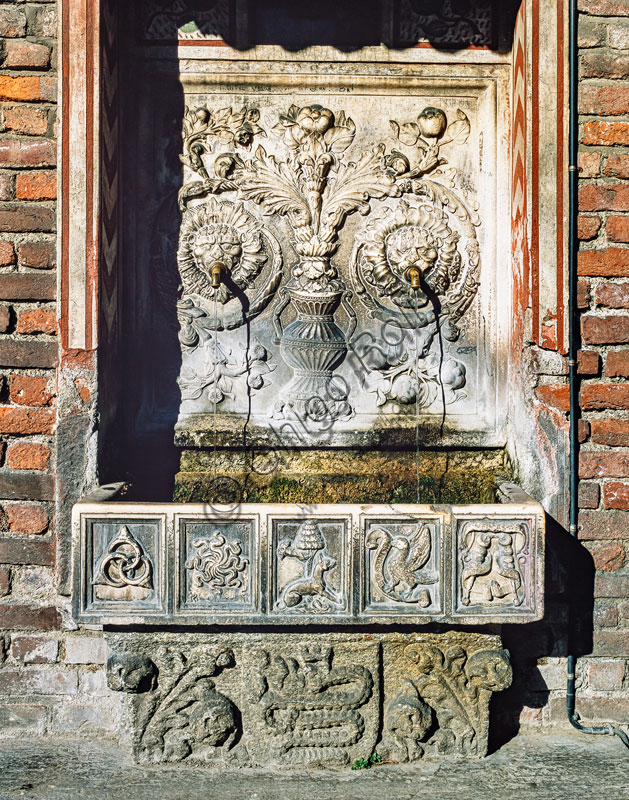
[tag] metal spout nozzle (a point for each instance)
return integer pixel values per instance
(413, 276)
(216, 274)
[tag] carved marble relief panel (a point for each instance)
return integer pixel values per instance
(336, 267)
(310, 561)
(401, 565)
(218, 565)
(124, 565)
(495, 566)
(306, 700)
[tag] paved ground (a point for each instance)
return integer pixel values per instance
(544, 767)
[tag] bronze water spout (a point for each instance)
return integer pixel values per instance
(413, 276)
(216, 274)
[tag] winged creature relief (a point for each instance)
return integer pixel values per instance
(398, 561)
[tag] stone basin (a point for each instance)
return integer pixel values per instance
(280, 564)
(254, 635)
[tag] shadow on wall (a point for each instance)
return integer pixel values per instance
(152, 113)
(566, 629)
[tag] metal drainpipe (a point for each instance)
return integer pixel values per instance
(573, 349)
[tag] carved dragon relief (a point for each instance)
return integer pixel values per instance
(309, 180)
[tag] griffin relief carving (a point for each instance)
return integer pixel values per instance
(305, 175)
(398, 561)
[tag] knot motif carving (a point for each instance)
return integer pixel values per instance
(217, 568)
(124, 571)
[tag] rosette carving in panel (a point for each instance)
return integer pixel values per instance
(402, 566)
(217, 565)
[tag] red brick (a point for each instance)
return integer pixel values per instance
(5, 318)
(7, 254)
(588, 362)
(38, 681)
(39, 186)
(598, 397)
(26, 485)
(613, 295)
(613, 644)
(26, 153)
(26, 55)
(44, 22)
(26, 218)
(604, 8)
(27, 518)
(5, 581)
(611, 263)
(28, 89)
(617, 229)
(605, 133)
(589, 494)
(606, 677)
(26, 551)
(616, 495)
(29, 455)
(583, 294)
(12, 22)
(607, 556)
(37, 320)
(617, 364)
(556, 395)
(603, 464)
(39, 255)
(603, 100)
(605, 616)
(588, 227)
(27, 353)
(6, 186)
(20, 617)
(589, 165)
(612, 329)
(27, 286)
(611, 585)
(617, 166)
(603, 525)
(612, 432)
(27, 120)
(26, 420)
(583, 427)
(611, 197)
(593, 709)
(28, 390)
(604, 64)
(34, 649)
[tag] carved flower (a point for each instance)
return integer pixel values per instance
(405, 389)
(315, 119)
(432, 122)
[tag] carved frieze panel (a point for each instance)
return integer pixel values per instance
(123, 564)
(298, 700)
(447, 23)
(218, 565)
(495, 566)
(402, 565)
(310, 561)
(185, 20)
(266, 564)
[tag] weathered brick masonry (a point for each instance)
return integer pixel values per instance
(52, 675)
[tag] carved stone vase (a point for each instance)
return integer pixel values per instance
(314, 346)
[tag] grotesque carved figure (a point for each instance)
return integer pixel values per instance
(130, 673)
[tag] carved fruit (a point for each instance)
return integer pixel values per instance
(404, 389)
(453, 374)
(432, 122)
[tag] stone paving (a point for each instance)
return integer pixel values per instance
(556, 766)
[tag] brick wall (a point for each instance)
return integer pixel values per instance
(52, 675)
(604, 302)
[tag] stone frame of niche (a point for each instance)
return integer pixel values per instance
(88, 257)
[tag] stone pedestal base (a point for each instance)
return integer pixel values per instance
(300, 699)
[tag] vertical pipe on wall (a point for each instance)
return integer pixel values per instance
(573, 350)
